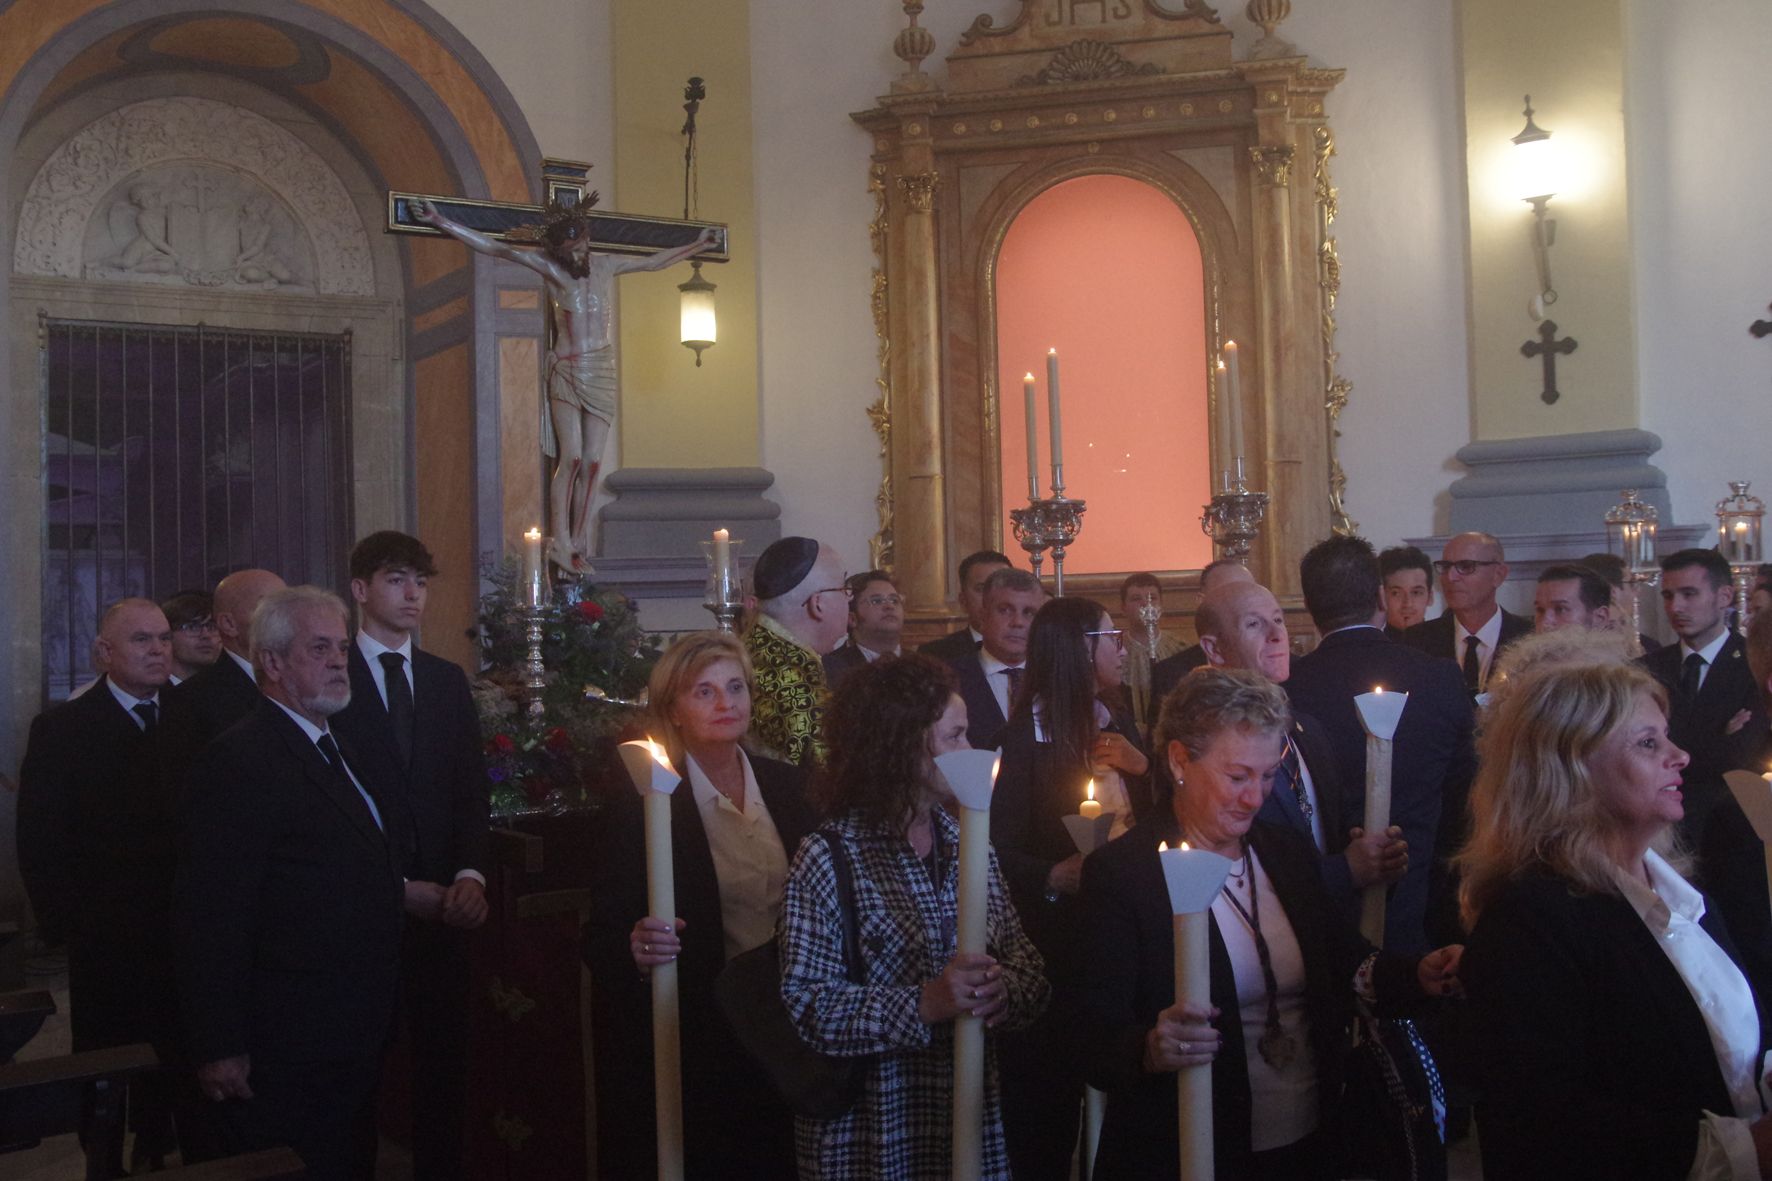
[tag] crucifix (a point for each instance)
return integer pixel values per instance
(579, 254)
(1548, 346)
(1761, 328)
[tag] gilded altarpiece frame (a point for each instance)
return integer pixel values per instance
(1063, 90)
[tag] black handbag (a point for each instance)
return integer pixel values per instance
(1388, 1116)
(748, 993)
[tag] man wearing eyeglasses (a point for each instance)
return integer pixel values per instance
(196, 641)
(803, 607)
(876, 621)
(1474, 628)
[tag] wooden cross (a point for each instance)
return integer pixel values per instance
(1548, 346)
(1761, 328)
(564, 181)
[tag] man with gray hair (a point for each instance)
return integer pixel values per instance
(990, 678)
(1473, 629)
(289, 901)
(803, 608)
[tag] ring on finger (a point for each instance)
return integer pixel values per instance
(647, 948)
(1181, 1047)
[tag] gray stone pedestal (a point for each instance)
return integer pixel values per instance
(1555, 483)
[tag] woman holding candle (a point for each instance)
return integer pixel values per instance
(885, 727)
(736, 821)
(1286, 963)
(1061, 734)
(1615, 1033)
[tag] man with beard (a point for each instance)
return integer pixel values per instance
(581, 363)
(288, 905)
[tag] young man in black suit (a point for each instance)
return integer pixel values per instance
(97, 850)
(990, 676)
(289, 902)
(1435, 756)
(876, 621)
(413, 711)
(975, 568)
(1473, 629)
(1408, 576)
(226, 690)
(1714, 711)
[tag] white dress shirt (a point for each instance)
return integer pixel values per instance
(1488, 636)
(1670, 908)
(996, 676)
(749, 862)
(245, 664)
(315, 733)
(1309, 787)
(1110, 788)
(372, 649)
(1708, 652)
(129, 702)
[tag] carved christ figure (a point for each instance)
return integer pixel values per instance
(580, 363)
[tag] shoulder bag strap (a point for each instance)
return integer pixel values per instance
(846, 903)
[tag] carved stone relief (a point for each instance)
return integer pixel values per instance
(188, 190)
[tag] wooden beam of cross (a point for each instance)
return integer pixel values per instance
(1548, 346)
(1761, 328)
(565, 183)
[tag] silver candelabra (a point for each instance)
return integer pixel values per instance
(1233, 518)
(725, 590)
(1049, 523)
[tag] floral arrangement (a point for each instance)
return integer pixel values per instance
(597, 660)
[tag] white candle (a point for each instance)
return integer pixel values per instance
(650, 769)
(1090, 808)
(1234, 404)
(723, 561)
(1379, 714)
(1027, 390)
(970, 775)
(534, 575)
(1221, 430)
(1056, 428)
(1194, 877)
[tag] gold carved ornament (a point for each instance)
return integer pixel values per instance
(1336, 388)
(919, 189)
(986, 25)
(880, 548)
(1087, 61)
(1273, 165)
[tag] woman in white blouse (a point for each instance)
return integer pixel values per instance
(1616, 1035)
(736, 821)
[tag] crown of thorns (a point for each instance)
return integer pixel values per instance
(556, 214)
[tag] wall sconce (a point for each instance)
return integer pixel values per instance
(696, 326)
(1535, 182)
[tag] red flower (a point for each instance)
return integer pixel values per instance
(558, 740)
(502, 744)
(590, 612)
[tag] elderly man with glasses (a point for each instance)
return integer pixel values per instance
(802, 610)
(876, 623)
(1474, 628)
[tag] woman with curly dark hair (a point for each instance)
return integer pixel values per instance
(1061, 736)
(885, 727)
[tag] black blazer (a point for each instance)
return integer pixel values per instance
(984, 717)
(1593, 1059)
(1281, 808)
(216, 696)
(621, 999)
(951, 647)
(446, 786)
(288, 905)
(97, 835)
(1130, 978)
(1432, 763)
(1168, 672)
(1436, 636)
(1699, 726)
(839, 663)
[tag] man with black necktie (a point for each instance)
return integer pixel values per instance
(1241, 625)
(1714, 710)
(1473, 629)
(990, 677)
(225, 690)
(975, 569)
(97, 850)
(289, 905)
(414, 711)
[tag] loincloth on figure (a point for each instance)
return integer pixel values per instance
(585, 382)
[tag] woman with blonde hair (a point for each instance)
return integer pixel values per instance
(736, 822)
(1615, 1033)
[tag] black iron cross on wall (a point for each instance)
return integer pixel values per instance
(1761, 327)
(1548, 346)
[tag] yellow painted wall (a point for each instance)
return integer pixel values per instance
(1570, 57)
(673, 414)
(445, 434)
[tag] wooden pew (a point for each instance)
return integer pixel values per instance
(79, 1092)
(273, 1164)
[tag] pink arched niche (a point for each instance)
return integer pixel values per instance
(1107, 270)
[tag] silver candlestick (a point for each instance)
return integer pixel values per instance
(533, 665)
(1050, 523)
(725, 590)
(1148, 615)
(538, 596)
(1233, 519)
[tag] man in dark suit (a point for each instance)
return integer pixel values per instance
(1714, 711)
(1167, 672)
(223, 692)
(1408, 576)
(1571, 595)
(97, 851)
(1434, 756)
(413, 714)
(990, 677)
(975, 568)
(1473, 629)
(876, 621)
(288, 905)
(1242, 625)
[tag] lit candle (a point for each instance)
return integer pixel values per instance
(1194, 877)
(1027, 390)
(650, 769)
(723, 561)
(1055, 427)
(1234, 406)
(1754, 794)
(1379, 714)
(1090, 807)
(1740, 542)
(971, 775)
(1221, 431)
(534, 577)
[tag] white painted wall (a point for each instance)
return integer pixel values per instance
(1696, 95)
